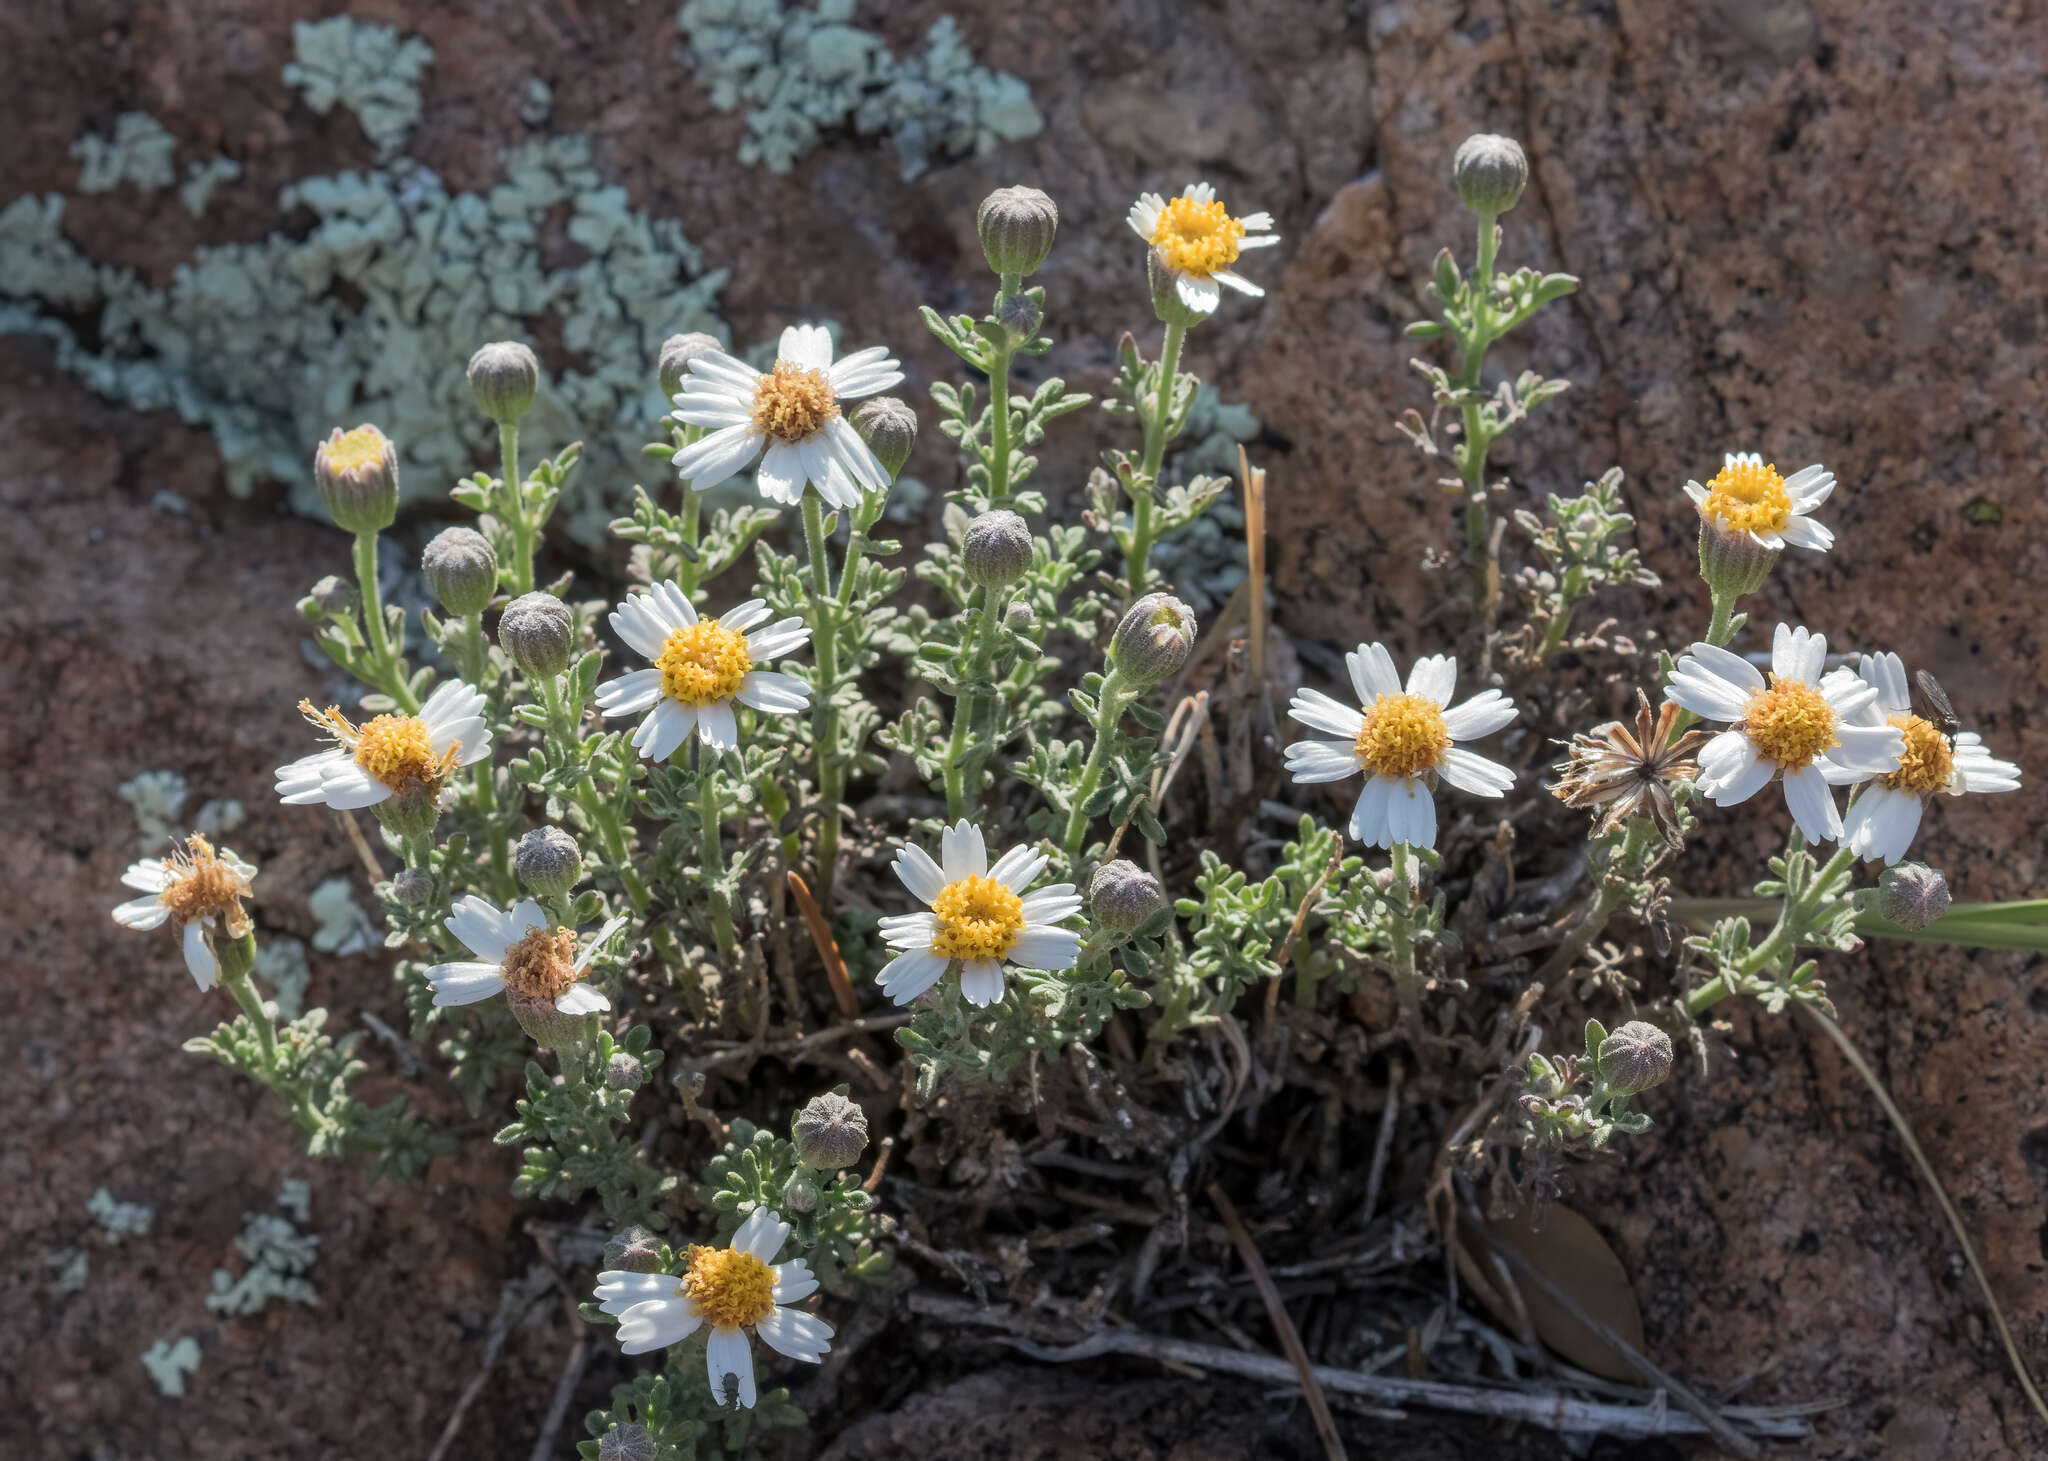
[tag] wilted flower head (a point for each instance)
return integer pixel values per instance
(199, 892)
(521, 956)
(388, 755)
(1626, 774)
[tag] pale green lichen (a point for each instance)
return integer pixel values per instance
(279, 1257)
(281, 963)
(344, 927)
(138, 153)
(369, 69)
(118, 1220)
(155, 798)
(219, 816)
(201, 178)
(169, 1362)
(800, 72)
(74, 1269)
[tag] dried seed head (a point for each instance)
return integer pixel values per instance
(1017, 228)
(357, 475)
(626, 1443)
(633, 1250)
(1123, 897)
(537, 631)
(503, 376)
(1912, 895)
(461, 568)
(830, 1132)
(1490, 172)
(548, 862)
(889, 427)
(1154, 639)
(412, 887)
(996, 549)
(1634, 1058)
(677, 352)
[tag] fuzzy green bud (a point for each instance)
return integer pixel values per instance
(996, 549)
(800, 1192)
(537, 631)
(1017, 228)
(236, 957)
(1020, 315)
(1154, 639)
(548, 862)
(889, 427)
(1490, 172)
(461, 568)
(622, 1071)
(1123, 897)
(410, 812)
(626, 1443)
(1166, 301)
(1634, 1058)
(633, 1250)
(1912, 895)
(677, 354)
(1733, 563)
(1020, 616)
(412, 887)
(503, 376)
(331, 598)
(830, 1132)
(357, 475)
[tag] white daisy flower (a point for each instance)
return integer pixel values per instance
(731, 1289)
(1804, 725)
(199, 892)
(793, 411)
(1197, 240)
(388, 754)
(1402, 741)
(1747, 496)
(523, 958)
(1881, 822)
(701, 666)
(981, 918)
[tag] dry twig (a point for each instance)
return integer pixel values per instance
(1283, 1324)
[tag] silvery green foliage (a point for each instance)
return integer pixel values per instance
(801, 72)
(138, 153)
(686, 1421)
(369, 69)
(840, 1231)
(281, 963)
(572, 1133)
(156, 798)
(1818, 909)
(1566, 1105)
(1576, 538)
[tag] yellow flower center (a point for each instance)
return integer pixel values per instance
(978, 918)
(398, 750)
(203, 887)
(1790, 724)
(792, 403)
(363, 447)
(731, 1286)
(1928, 764)
(1747, 498)
(1197, 238)
(542, 965)
(1403, 735)
(703, 663)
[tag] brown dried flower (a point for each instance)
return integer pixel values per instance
(1631, 775)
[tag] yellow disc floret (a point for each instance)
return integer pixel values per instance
(396, 750)
(542, 965)
(1790, 724)
(1745, 497)
(793, 403)
(352, 450)
(202, 887)
(1403, 735)
(1197, 238)
(1928, 764)
(703, 663)
(978, 918)
(730, 1286)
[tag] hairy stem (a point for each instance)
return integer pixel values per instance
(963, 760)
(1781, 941)
(824, 709)
(1478, 442)
(1146, 485)
(711, 849)
(1108, 710)
(515, 508)
(390, 674)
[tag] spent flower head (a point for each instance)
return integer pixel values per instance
(1628, 774)
(389, 754)
(199, 892)
(1935, 760)
(702, 667)
(981, 919)
(520, 955)
(1195, 242)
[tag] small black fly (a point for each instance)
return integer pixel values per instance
(1941, 714)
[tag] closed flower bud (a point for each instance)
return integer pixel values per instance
(1166, 300)
(622, 1071)
(461, 568)
(677, 351)
(411, 811)
(537, 631)
(1490, 173)
(1020, 616)
(1154, 639)
(889, 427)
(996, 549)
(357, 474)
(626, 1443)
(1733, 564)
(1123, 897)
(330, 598)
(800, 1192)
(830, 1132)
(633, 1250)
(1634, 1058)
(546, 1026)
(548, 862)
(1020, 315)
(412, 887)
(1017, 227)
(1912, 895)
(503, 376)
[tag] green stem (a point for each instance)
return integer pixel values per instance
(1614, 880)
(963, 762)
(1782, 940)
(824, 710)
(562, 729)
(390, 673)
(689, 571)
(710, 848)
(1477, 443)
(1407, 988)
(1146, 485)
(1108, 710)
(475, 661)
(244, 992)
(515, 508)
(1720, 629)
(999, 405)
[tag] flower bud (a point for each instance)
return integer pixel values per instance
(1912, 895)
(546, 1026)
(889, 427)
(633, 1250)
(537, 631)
(1017, 227)
(1020, 616)
(622, 1071)
(1634, 1058)
(1166, 301)
(1020, 315)
(1154, 639)
(412, 887)
(461, 568)
(830, 1132)
(800, 1192)
(1123, 897)
(412, 811)
(357, 474)
(503, 376)
(1733, 564)
(548, 862)
(1490, 173)
(626, 1443)
(996, 549)
(330, 598)
(677, 351)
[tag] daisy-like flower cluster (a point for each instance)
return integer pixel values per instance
(788, 416)
(1196, 240)
(1748, 496)
(981, 919)
(1880, 824)
(519, 955)
(389, 754)
(729, 1290)
(1402, 740)
(701, 667)
(199, 892)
